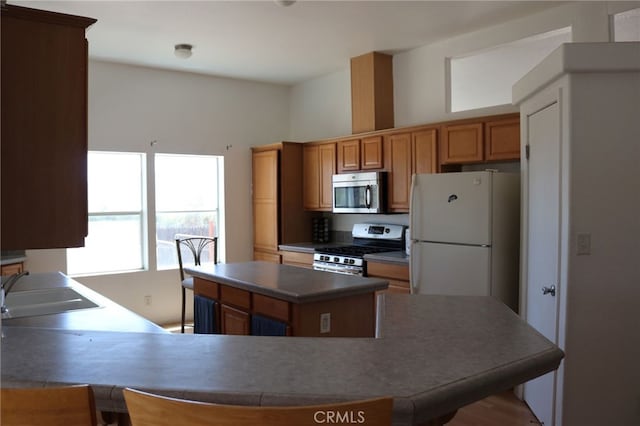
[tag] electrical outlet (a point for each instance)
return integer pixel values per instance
(325, 322)
(584, 244)
(147, 300)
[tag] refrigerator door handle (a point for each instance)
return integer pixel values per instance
(414, 270)
(415, 205)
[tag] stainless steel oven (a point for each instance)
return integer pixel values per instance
(359, 192)
(368, 238)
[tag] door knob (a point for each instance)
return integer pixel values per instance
(549, 290)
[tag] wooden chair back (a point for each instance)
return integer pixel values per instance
(55, 406)
(146, 409)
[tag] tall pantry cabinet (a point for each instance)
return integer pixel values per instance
(580, 133)
(278, 214)
(44, 128)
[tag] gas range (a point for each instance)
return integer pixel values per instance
(368, 238)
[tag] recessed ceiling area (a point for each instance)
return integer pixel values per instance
(263, 41)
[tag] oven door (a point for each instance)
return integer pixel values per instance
(358, 193)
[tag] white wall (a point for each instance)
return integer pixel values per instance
(321, 108)
(185, 113)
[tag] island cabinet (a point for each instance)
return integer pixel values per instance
(278, 213)
(44, 129)
(360, 154)
(319, 165)
(405, 154)
(476, 141)
(397, 275)
(243, 312)
(262, 298)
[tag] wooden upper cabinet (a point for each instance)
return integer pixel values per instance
(502, 140)
(349, 155)
(462, 143)
(425, 151)
(406, 154)
(398, 160)
(371, 92)
(371, 153)
(44, 129)
(278, 213)
(319, 166)
(360, 154)
(265, 200)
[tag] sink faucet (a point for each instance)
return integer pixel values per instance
(7, 285)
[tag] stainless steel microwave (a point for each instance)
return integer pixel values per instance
(362, 192)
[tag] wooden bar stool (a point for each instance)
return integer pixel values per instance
(55, 406)
(146, 409)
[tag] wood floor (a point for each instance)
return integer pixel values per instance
(498, 410)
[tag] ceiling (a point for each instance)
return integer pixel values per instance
(263, 41)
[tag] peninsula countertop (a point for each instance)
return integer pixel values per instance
(290, 283)
(433, 354)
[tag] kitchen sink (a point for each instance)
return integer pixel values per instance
(45, 302)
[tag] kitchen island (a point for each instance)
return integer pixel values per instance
(262, 297)
(433, 354)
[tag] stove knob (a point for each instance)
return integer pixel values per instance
(346, 261)
(352, 261)
(336, 259)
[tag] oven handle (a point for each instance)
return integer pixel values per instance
(367, 197)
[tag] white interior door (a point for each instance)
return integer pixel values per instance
(543, 239)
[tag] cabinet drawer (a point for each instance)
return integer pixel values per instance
(206, 288)
(388, 270)
(271, 307)
(295, 258)
(235, 297)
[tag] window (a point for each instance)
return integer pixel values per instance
(485, 78)
(187, 202)
(626, 26)
(116, 220)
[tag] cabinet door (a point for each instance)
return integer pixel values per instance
(234, 321)
(502, 140)
(399, 166)
(44, 129)
(462, 143)
(349, 155)
(371, 153)
(13, 268)
(425, 151)
(265, 200)
(327, 154)
(311, 177)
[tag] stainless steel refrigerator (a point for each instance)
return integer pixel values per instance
(465, 233)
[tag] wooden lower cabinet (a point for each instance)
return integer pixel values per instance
(396, 274)
(351, 316)
(12, 268)
(294, 258)
(234, 321)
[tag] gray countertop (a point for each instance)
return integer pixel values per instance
(290, 283)
(108, 317)
(433, 354)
